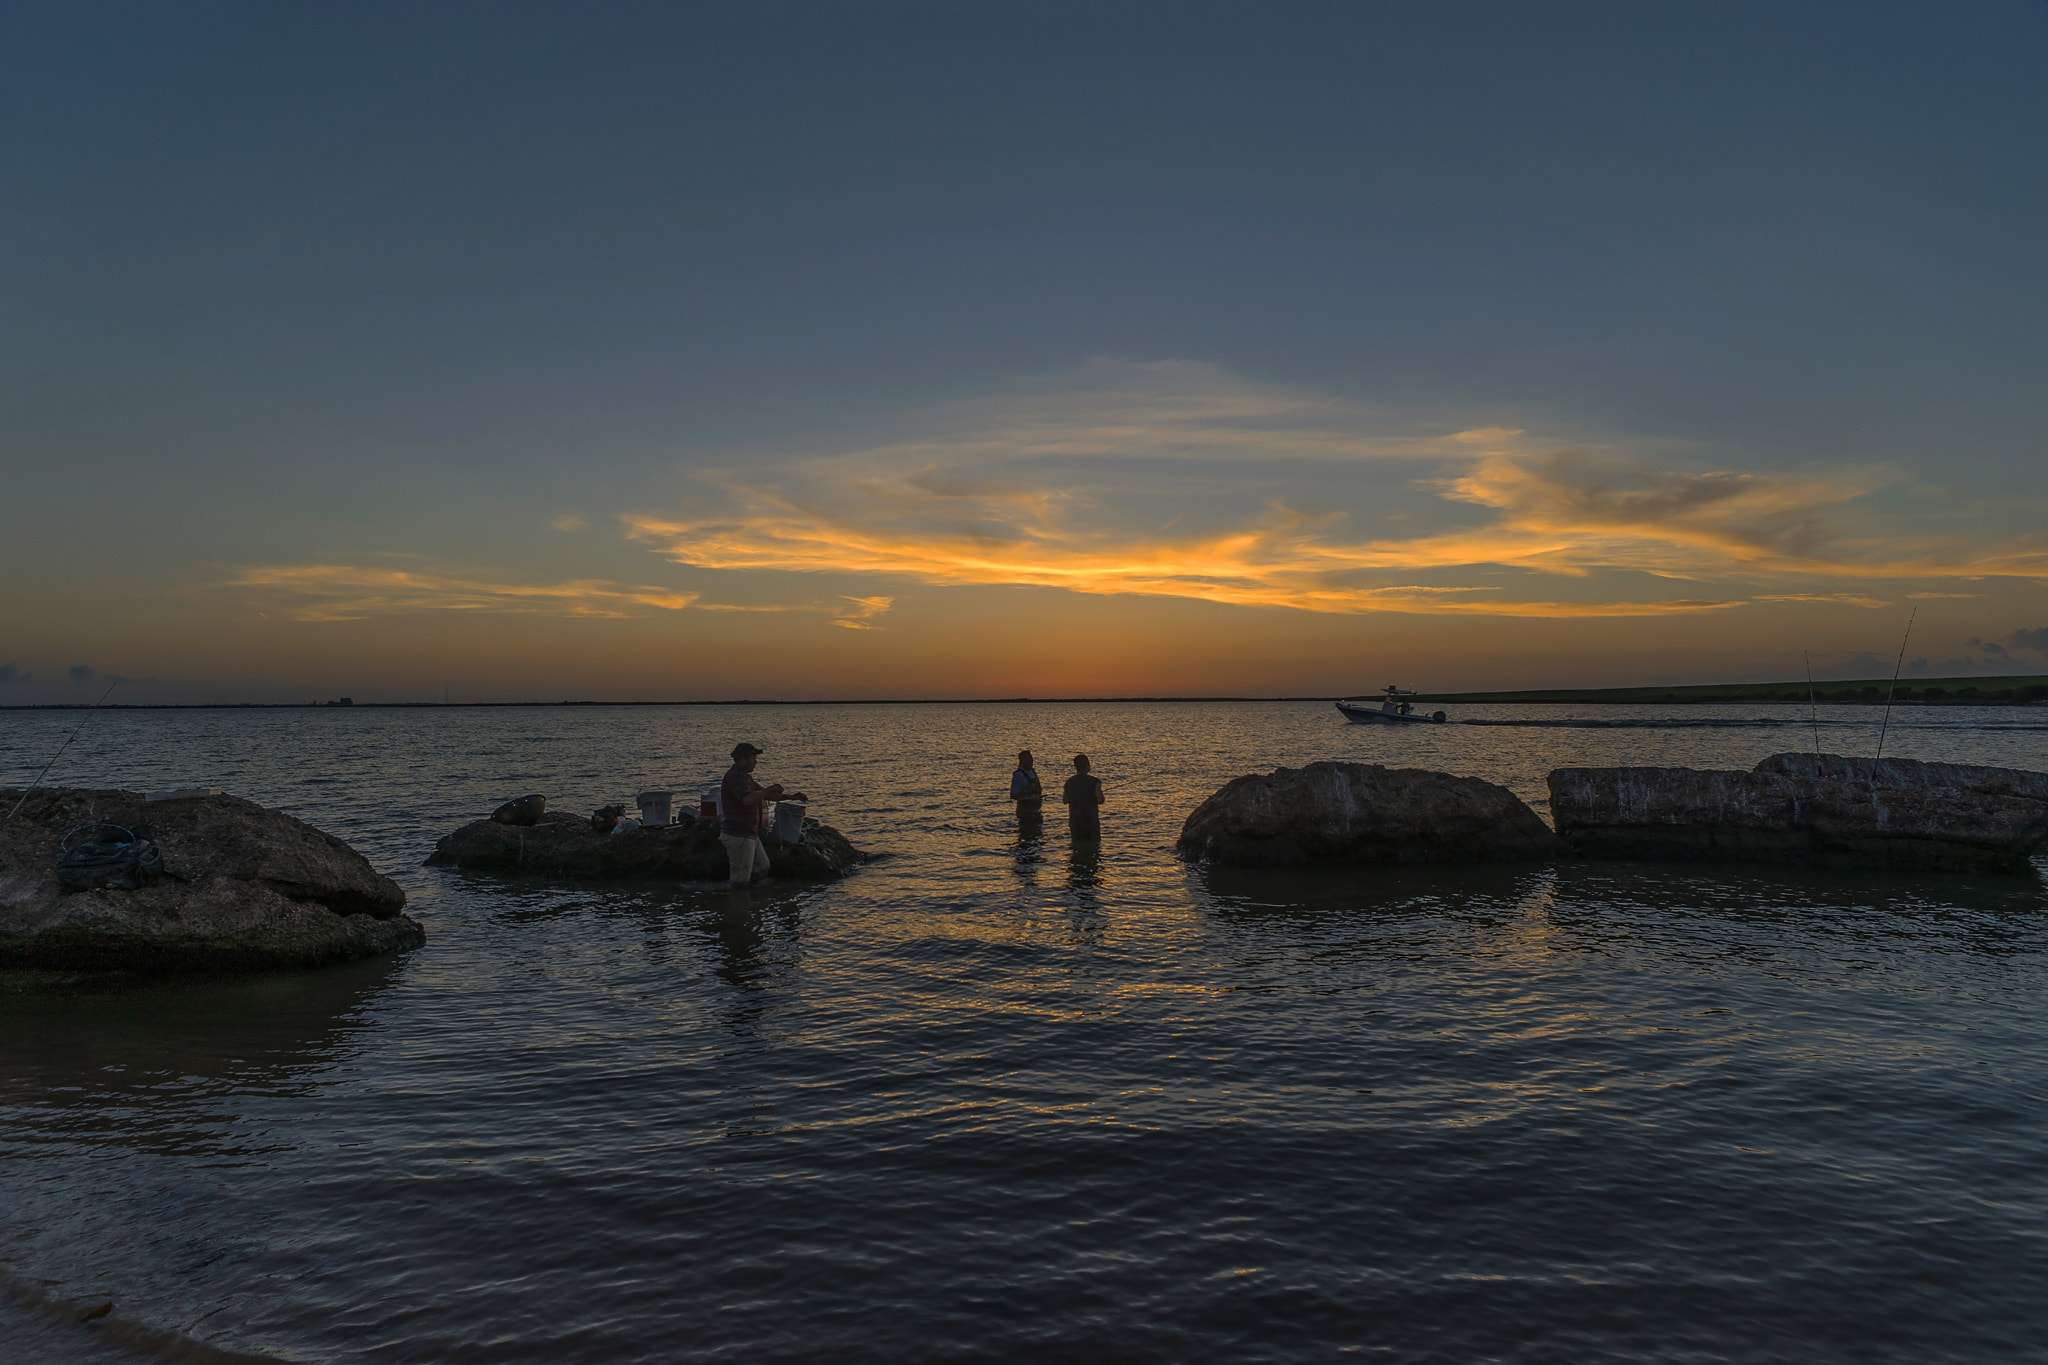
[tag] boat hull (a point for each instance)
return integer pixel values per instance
(1372, 715)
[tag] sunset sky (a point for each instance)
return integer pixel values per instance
(503, 351)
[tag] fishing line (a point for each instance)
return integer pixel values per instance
(59, 754)
(1812, 713)
(1895, 684)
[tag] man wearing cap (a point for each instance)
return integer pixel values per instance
(742, 807)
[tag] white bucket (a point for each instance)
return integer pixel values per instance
(708, 804)
(789, 823)
(653, 807)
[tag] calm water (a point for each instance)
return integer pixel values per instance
(991, 1099)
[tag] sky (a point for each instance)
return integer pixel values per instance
(502, 352)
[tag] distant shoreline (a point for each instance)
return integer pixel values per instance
(1995, 691)
(2000, 691)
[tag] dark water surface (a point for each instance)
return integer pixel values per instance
(1002, 1099)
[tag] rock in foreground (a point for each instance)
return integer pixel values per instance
(1364, 813)
(1816, 809)
(564, 845)
(245, 889)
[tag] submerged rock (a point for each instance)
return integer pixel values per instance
(1364, 813)
(1817, 809)
(245, 889)
(562, 845)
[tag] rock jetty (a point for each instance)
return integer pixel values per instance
(1336, 813)
(562, 845)
(1813, 809)
(242, 888)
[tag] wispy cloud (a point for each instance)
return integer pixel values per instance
(1278, 560)
(346, 592)
(350, 592)
(1572, 512)
(1844, 598)
(1181, 481)
(858, 616)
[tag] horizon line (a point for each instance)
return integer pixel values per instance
(1561, 694)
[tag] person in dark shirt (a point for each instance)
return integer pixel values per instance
(1026, 790)
(742, 808)
(1083, 797)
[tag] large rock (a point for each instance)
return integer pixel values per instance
(562, 845)
(1817, 809)
(250, 889)
(1364, 813)
(1910, 774)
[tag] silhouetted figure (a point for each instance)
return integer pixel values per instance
(1027, 792)
(742, 808)
(1083, 797)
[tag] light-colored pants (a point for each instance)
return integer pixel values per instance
(744, 856)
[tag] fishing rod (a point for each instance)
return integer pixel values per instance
(1895, 685)
(59, 754)
(1812, 712)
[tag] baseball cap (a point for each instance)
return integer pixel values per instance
(742, 749)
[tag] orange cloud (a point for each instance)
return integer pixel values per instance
(1846, 598)
(346, 592)
(349, 592)
(1018, 538)
(1178, 480)
(863, 608)
(1134, 481)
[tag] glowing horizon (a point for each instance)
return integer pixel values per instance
(1237, 373)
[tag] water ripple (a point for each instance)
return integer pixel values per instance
(999, 1097)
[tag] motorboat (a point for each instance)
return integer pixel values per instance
(1390, 709)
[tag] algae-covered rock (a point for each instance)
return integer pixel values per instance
(245, 889)
(1364, 813)
(566, 846)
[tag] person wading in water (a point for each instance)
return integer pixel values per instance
(742, 809)
(1027, 792)
(1083, 797)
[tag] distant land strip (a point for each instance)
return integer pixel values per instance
(1927, 691)
(715, 701)
(1996, 691)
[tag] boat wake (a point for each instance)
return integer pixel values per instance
(1638, 723)
(1725, 723)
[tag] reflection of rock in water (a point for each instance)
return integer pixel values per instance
(1685, 893)
(1479, 888)
(158, 1066)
